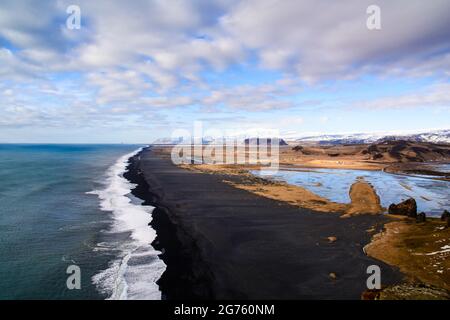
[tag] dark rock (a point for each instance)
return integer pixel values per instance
(405, 208)
(377, 156)
(297, 148)
(371, 294)
(397, 148)
(373, 148)
(421, 217)
(332, 239)
(445, 215)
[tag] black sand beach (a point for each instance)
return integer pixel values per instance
(220, 242)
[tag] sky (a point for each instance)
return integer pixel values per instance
(136, 71)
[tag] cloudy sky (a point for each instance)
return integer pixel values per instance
(138, 70)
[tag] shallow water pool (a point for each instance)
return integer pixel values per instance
(432, 196)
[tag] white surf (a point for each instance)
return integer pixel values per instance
(133, 275)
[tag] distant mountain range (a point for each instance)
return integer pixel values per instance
(211, 140)
(439, 136)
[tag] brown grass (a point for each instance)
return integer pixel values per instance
(416, 249)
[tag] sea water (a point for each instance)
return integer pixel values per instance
(63, 205)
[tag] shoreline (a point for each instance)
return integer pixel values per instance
(168, 240)
(269, 250)
(129, 218)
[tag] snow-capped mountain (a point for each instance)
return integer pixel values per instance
(341, 138)
(439, 136)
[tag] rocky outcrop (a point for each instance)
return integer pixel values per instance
(446, 218)
(406, 208)
(374, 152)
(406, 151)
(421, 217)
(371, 294)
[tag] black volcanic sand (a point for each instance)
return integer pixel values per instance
(219, 242)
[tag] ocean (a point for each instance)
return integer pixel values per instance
(63, 205)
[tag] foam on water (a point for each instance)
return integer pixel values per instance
(134, 273)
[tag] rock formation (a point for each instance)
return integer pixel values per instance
(405, 208)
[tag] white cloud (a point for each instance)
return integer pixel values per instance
(322, 39)
(437, 96)
(312, 39)
(140, 57)
(260, 97)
